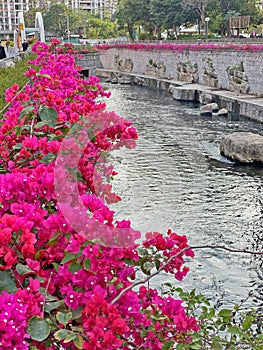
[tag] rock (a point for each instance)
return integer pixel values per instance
(208, 109)
(223, 112)
(244, 147)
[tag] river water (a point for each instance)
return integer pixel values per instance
(176, 178)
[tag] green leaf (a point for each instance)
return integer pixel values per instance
(74, 267)
(211, 313)
(168, 345)
(61, 334)
(225, 312)
(68, 257)
(17, 146)
(23, 269)
(64, 318)
(70, 337)
(49, 116)
(7, 283)
(129, 262)
(216, 345)
(48, 158)
(49, 306)
(233, 330)
(76, 314)
(86, 264)
(38, 328)
(148, 265)
(78, 342)
(54, 238)
(247, 323)
(48, 296)
(26, 111)
(39, 125)
(143, 253)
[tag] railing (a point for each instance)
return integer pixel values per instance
(219, 41)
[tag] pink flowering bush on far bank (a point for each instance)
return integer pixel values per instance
(184, 47)
(69, 284)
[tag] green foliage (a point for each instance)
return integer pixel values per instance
(38, 328)
(98, 28)
(153, 16)
(233, 328)
(13, 75)
(56, 17)
(7, 283)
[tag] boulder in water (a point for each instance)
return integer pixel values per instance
(223, 112)
(209, 109)
(244, 147)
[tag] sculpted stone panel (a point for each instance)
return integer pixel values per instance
(123, 64)
(210, 76)
(238, 81)
(186, 71)
(155, 69)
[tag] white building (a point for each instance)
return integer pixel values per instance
(9, 10)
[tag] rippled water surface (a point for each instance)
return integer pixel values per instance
(176, 179)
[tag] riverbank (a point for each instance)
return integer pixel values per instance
(249, 106)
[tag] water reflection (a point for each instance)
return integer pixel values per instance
(176, 178)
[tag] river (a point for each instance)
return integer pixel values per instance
(176, 178)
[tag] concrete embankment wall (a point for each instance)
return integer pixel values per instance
(234, 70)
(233, 79)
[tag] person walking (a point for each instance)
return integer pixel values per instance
(2, 51)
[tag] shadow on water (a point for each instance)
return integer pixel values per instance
(177, 179)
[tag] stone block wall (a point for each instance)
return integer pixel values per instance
(89, 62)
(208, 67)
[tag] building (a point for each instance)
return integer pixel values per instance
(9, 13)
(98, 7)
(9, 10)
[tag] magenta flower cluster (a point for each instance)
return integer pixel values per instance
(64, 286)
(185, 47)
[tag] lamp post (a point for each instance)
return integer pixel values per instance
(207, 20)
(68, 31)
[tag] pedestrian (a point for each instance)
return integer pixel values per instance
(2, 51)
(25, 45)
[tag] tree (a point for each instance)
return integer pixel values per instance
(30, 16)
(221, 10)
(132, 13)
(199, 6)
(168, 14)
(99, 28)
(55, 19)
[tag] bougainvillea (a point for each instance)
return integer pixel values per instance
(63, 286)
(228, 45)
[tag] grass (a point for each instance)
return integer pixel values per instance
(13, 75)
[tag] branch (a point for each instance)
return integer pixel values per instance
(175, 256)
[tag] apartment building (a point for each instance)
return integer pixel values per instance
(8, 13)
(9, 9)
(98, 7)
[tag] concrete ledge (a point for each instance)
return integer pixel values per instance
(248, 106)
